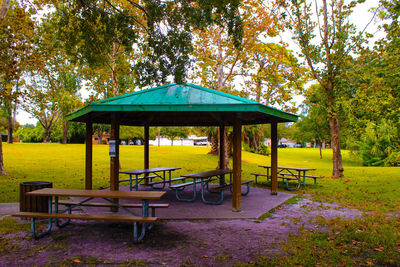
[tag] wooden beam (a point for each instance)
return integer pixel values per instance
(114, 161)
(237, 166)
(89, 156)
(274, 158)
(221, 151)
(146, 149)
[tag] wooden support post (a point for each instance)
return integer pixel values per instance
(146, 150)
(274, 158)
(89, 156)
(114, 161)
(221, 151)
(237, 166)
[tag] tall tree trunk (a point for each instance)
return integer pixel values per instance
(258, 90)
(214, 144)
(5, 4)
(46, 135)
(337, 155)
(65, 132)
(228, 148)
(100, 137)
(2, 171)
(115, 86)
(320, 149)
(10, 128)
(159, 136)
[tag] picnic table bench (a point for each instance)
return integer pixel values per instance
(141, 223)
(204, 178)
(289, 174)
(149, 175)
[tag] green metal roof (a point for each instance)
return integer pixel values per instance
(183, 105)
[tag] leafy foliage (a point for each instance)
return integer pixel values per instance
(380, 145)
(174, 132)
(160, 29)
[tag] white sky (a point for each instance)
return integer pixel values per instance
(360, 17)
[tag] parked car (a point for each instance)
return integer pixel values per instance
(201, 143)
(298, 145)
(282, 146)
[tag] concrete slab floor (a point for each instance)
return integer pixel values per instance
(255, 204)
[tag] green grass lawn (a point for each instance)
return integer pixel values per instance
(365, 188)
(373, 239)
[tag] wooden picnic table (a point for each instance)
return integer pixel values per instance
(204, 178)
(111, 197)
(149, 174)
(290, 173)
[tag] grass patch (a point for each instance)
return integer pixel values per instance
(364, 188)
(9, 225)
(370, 240)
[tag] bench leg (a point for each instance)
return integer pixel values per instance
(136, 236)
(291, 188)
(247, 191)
(218, 202)
(33, 224)
(33, 229)
(187, 199)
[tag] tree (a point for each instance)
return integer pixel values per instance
(380, 145)
(326, 54)
(16, 55)
(373, 82)
(133, 132)
(174, 132)
(161, 30)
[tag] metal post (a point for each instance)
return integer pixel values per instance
(114, 161)
(89, 155)
(274, 158)
(237, 166)
(146, 150)
(221, 152)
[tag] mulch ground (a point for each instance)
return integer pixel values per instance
(170, 243)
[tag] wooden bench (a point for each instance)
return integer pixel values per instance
(114, 218)
(306, 176)
(139, 178)
(167, 181)
(286, 177)
(220, 189)
(259, 174)
(112, 197)
(181, 186)
(229, 186)
(152, 206)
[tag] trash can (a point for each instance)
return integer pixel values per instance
(33, 203)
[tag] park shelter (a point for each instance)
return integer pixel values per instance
(181, 105)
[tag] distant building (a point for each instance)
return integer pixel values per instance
(5, 136)
(105, 139)
(192, 140)
(282, 141)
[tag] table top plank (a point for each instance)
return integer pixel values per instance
(207, 173)
(150, 170)
(97, 193)
(290, 168)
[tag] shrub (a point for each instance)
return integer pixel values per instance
(380, 145)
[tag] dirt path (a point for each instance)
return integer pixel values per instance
(172, 243)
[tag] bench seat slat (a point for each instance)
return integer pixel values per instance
(166, 181)
(174, 186)
(226, 186)
(126, 205)
(116, 218)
